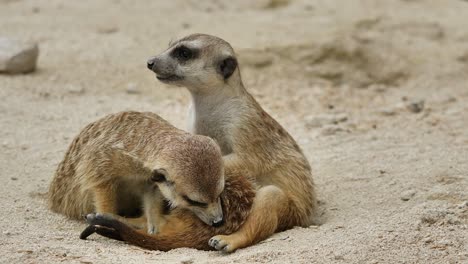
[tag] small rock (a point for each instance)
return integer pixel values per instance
(321, 120)
(44, 94)
(379, 88)
(432, 217)
(185, 25)
(452, 220)
(75, 89)
(387, 112)
(415, 106)
(14, 178)
(407, 195)
(17, 56)
(107, 30)
(444, 242)
(132, 89)
(331, 130)
(276, 4)
(463, 57)
(428, 240)
(186, 261)
(463, 205)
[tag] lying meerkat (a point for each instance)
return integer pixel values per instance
(252, 142)
(182, 228)
(129, 159)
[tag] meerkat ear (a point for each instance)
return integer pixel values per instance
(158, 175)
(227, 67)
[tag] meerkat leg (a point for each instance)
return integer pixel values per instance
(105, 199)
(153, 203)
(269, 206)
(105, 202)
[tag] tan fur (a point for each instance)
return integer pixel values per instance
(253, 143)
(109, 165)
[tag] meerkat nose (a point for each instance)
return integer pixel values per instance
(150, 64)
(218, 222)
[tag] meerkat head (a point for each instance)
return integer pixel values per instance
(191, 175)
(198, 62)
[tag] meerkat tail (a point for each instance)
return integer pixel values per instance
(112, 228)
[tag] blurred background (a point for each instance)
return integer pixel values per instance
(374, 92)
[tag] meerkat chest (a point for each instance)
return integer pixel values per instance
(216, 123)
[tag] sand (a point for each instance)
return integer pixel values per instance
(375, 92)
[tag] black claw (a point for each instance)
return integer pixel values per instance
(213, 242)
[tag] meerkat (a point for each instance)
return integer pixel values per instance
(252, 142)
(182, 228)
(131, 159)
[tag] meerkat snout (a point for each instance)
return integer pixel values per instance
(150, 63)
(218, 222)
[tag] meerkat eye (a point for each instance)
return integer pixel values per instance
(158, 176)
(194, 203)
(183, 53)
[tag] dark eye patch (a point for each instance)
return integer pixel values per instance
(158, 176)
(194, 203)
(183, 53)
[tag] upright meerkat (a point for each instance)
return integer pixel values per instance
(124, 160)
(252, 142)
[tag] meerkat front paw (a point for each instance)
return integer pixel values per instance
(90, 218)
(152, 229)
(222, 243)
(155, 225)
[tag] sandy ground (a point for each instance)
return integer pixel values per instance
(375, 92)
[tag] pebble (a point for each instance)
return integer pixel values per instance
(428, 240)
(444, 242)
(407, 195)
(331, 130)
(463, 205)
(186, 261)
(432, 217)
(415, 106)
(321, 120)
(107, 30)
(132, 89)
(17, 56)
(73, 89)
(387, 112)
